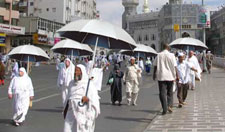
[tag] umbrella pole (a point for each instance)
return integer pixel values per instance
(89, 76)
(28, 65)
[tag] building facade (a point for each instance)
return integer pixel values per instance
(157, 27)
(39, 32)
(9, 16)
(62, 11)
(184, 15)
(216, 34)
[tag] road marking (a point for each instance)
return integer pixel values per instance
(44, 98)
(3, 98)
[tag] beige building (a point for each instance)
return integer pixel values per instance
(9, 16)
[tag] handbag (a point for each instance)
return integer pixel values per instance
(110, 80)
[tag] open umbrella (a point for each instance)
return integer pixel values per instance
(97, 33)
(28, 53)
(72, 48)
(188, 43)
(140, 50)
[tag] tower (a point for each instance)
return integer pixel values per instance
(175, 1)
(145, 6)
(130, 9)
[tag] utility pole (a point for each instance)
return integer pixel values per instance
(204, 41)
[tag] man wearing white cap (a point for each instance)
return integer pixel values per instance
(132, 80)
(183, 69)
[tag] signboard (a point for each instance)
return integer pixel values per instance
(40, 39)
(12, 29)
(2, 39)
(176, 27)
(204, 18)
(57, 40)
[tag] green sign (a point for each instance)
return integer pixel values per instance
(203, 18)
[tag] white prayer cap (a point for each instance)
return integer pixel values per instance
(209, 51)
(180, 54)
(132, 58)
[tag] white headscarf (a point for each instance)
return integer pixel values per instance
(66, 75)
(22, 83)
(84, 78)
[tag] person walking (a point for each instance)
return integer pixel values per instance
(183, 68)
(2, 73)
(148, 64)
(78, 118)
(209, 59)
(194, 75)
(66, 75)
(165, 70)
(22, 92)
(132, 79)
(116, 85)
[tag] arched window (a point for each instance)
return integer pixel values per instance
(153, 46)
(185, 35)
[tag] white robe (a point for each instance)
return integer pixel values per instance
(82, 119)
(15, 70)
(66, 75)
(22, 89)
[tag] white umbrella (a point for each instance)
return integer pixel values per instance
(140, 49)
(72, 48)
(28, 53)
(181, 43)
(98, 33)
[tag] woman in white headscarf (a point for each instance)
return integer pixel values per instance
(21, 91)
(66, 75)
(77, 118)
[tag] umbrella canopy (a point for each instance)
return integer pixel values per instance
(70, 47)
(87, 32)
(142, 50)
(183, 43)
(28, 53)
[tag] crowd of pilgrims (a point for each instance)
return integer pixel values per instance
(75, 75)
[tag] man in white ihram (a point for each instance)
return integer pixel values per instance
(77, 118)
(132, 79)
(66, 75)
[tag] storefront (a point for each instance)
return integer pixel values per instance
(7, 32)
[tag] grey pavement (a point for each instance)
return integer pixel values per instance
(46, 113)
(205, 111)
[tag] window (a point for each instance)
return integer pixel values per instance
(47, 9)
(146, 38)
(14, 21)
(53, 9)
(31, 3)
(1, 19)
(153, 37)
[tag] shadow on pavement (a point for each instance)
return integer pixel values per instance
(145, 120)
(6, 121)
(48, 110)
(147, 111)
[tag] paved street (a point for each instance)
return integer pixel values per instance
(46, 113)
(205, 111)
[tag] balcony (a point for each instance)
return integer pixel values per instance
(4, 13)
(8, 1)
(15, 14)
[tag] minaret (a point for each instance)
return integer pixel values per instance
(130, 9)
(175, 1)
(145, 7)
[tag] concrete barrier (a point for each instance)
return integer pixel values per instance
(219, 62)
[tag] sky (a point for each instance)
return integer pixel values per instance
(112, 10)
